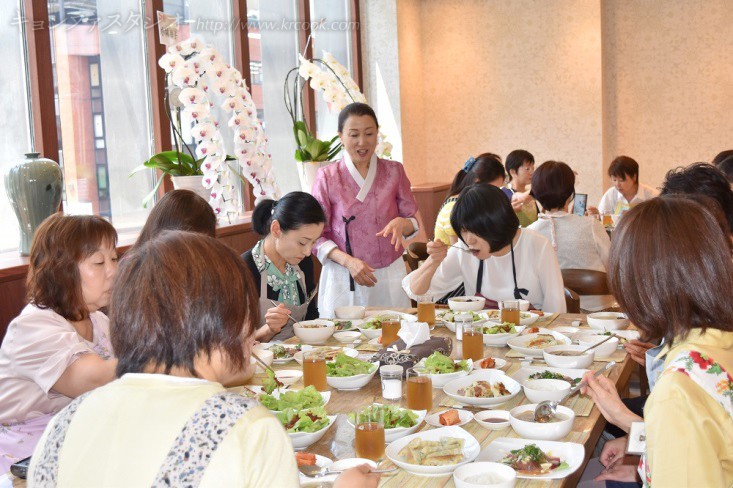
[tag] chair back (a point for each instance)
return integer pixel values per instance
(419, 252)
(586, 281)
(572, 301)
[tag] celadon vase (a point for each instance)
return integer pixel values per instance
(34, 188)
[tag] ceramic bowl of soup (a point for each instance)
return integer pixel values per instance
(604, 350)
(350, 312)
(314, 332)
(567, 356)
(522, 421)
(608, 321)
(466, 304)
(538, 391)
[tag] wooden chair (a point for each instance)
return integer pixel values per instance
(586, 281)
(572, 301)
(418, 249)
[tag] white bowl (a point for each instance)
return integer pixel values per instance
(265, 355)
(352, 382)
(501, 339)
(490, 375)
(347, 336)
(439, 380)
(525, 317)
(350, 313)
(471, 450)
(391, 435)
(298, 356)
(316, 335)
(466, 304)
(371, 333)
(288, 376)
(604, 350)
(538, 391)
(552, 431)
(520, 343)
(504, 476)
(499, 364)
(577, 362)
(481, 418)
(434, 419)
(608, 321)
(301, 440)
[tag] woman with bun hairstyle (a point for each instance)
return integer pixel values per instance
(281, 261)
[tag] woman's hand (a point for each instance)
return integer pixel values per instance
(606, 397)
(395, 229)
(519, 200)
(362, 273)
(358, 477)
(637, 350)
(613, 451)
(437, 251)
(277, 317)
(619, 472)
(592, 212)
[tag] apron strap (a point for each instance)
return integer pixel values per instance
(47, 464)
(347, 221)
(518, 292)
(479, 277)
(188, 457)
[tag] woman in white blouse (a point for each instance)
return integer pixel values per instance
(580, 242)
(494, 258)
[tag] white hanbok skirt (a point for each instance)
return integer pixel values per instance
(333, 289)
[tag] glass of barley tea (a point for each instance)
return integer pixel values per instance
(426, 310)
(419, 390)
(314, 370)
(369, 435)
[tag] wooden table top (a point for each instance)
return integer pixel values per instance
(337, 443)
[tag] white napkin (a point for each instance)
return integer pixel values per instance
(413, 333)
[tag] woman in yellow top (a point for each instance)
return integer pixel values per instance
(672, 282)
(183, 315)
(486, 168)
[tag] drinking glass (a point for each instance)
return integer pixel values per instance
(426, 310)
(419, 390)
(369, 435)
(314, 370)
(510, 311)
(473, 342)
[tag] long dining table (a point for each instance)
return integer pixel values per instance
(337, 443)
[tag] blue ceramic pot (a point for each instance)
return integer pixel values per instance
(34, 189)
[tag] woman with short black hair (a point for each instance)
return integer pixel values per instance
(580, 242)
(281, 261)
(520, 167)
(495, 258)
(626, 191)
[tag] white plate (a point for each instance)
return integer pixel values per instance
(321, 462)
(490, 375)
(440, 380)
(526, 318)
(570, 452)
(464, 415)
(471, 449)
(266, 345)
(500, 363)
(523, 374)
(302, 440)
(352, 382)
(352, 353)
(519, 344)
(258, 389)
(391, 435)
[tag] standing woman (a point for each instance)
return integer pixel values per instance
(369, 208)
(281, 262)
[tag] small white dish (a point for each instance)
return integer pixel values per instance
(538, 391)
(471, 449)
(352, 382)
(485, 474)
(466, 304)
(354, 312)
(265, 356)
(288, 376)
(551, 431)
(347, 336)
(571, 453)
(554, 360)
(489, 419)
(499, 363)
(434, 419)
(314, 335)
(608, 321)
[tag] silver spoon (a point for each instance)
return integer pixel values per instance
(547, 408)
(317, 472)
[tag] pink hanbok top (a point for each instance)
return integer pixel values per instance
(38, 347)
(373, 202)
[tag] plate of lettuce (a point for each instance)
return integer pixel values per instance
(347, 373)
(443, 369)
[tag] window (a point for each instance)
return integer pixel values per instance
(15, 138)
(331, 31)
(102, 107)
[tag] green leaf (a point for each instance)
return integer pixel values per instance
(151, 195)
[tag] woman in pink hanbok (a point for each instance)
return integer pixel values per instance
(369, 209)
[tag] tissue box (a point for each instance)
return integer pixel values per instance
(408, 358)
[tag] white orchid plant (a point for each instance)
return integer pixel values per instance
(195, 73)
(333, 79)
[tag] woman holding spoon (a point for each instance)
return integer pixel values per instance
(281, 262)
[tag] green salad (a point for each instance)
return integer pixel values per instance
(376, 321)
(438, 363)
(269, 384)
(310, 421)
(347, 366)
(505, 328)
(303, 399)
(394, 416)
(450, 316)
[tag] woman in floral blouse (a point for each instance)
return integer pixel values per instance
(281, 262)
